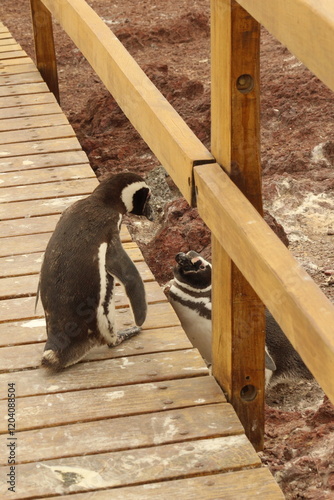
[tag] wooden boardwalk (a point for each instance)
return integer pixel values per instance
(144, 420)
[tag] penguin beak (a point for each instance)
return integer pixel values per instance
(184, 261)
(148, 212)
(181, 258)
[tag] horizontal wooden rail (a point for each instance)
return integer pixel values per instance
(298, 305)
(305, 27)
(161, 127)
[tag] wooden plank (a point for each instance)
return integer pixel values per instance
(122, 468)
(245, 485)
(17, 265)
(36, 134)
(14, 124)
(24, 264)
(31, 162)
(313, 17)
(174, 144)
(108, 373)
(238, 352)
(30, 88)
(48, 190)
(44, 45)
(9, 41)
(29, 355)
(5, 35)
(17, 245)
(19, 286)
(12, 55)
(31, 77)
(26, 100)
(27, 66)
(10, 45)
(19, 61)
(39, 176)
(40, 147)
(45, 207)
(48, 410)
(298, 305)
(27, 225)
(126, 433)
(29, 111)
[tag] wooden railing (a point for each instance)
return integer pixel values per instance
(251, 265)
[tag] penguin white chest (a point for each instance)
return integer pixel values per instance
(196, 326)
(106, 307)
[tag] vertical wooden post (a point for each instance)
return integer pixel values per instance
(44, 45)
(238, 314)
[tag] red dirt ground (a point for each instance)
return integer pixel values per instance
(172, 46)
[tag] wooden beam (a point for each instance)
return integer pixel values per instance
(305, 27)
(298, 305)
(238, 314)
(44, 45)
(170, 139)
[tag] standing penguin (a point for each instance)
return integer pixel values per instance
(190, 296)
(81, 261)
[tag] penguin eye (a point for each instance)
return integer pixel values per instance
(202, 266)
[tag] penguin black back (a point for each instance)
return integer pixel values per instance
(81, 261)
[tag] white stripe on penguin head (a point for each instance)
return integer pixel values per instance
(128, 193)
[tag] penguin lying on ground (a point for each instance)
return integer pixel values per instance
(81, 262)
(190, 296)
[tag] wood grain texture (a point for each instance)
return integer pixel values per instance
(44, 45)
(37, 161)
(128, 467)
(29, 110)
(109, 373)
(48, 410)
(47, 174)
(48, 190)
(313, 17)
(245, 485)
(169, 426)
(238, 314)
(11, 124)
(31, 88)
(28, 355)
(36, 134)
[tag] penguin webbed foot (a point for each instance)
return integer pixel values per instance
(125, 335)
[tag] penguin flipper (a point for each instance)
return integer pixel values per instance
(37, 294)
(119, 264)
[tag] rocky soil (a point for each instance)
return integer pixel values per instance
(297, 111)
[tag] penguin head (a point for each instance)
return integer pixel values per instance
(126, 192)
(193, 270)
